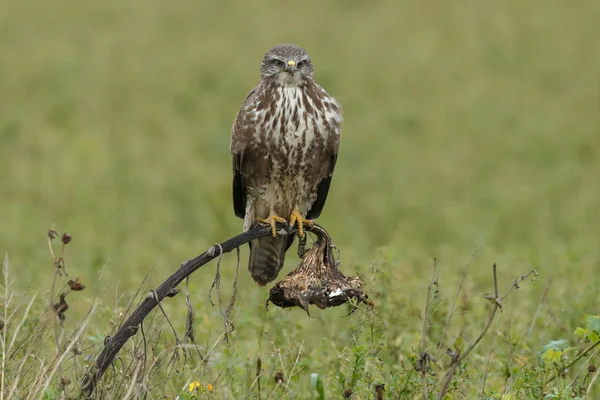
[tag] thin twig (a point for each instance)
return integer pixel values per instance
(589, 388)
(447, 380)
(18, 374)
(57, 331)
(256, 380)
(487, 366)
(423, 358)
(229, 327)
(5, 270)
(189, 318)
(292, 371)
(539, 307)
(463, 276)
(274, 390)
(495, 282)
(216, 284)
(177, 341)
(80, 331)
(133, 380)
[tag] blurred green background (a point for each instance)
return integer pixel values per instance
(468, 125)
(462, 121)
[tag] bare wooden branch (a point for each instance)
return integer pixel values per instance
(168, 289)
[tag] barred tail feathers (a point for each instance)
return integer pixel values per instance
(267, 255)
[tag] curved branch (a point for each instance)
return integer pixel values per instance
(168, 289)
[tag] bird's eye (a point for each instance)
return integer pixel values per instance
(301, 64)
(278, 63)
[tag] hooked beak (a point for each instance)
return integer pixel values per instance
(291, 66)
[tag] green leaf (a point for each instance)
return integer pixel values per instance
(320, 390)
(553, 356)
(581, 332)
(555, 346)
(550, 396)
(593, 323)
(459, 344)
(342, 379)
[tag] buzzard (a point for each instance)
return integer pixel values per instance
(284, 144)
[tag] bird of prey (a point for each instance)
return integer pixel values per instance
(284, 144)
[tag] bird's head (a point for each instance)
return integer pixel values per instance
(286, 64)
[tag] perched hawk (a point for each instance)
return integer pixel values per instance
(284, 143)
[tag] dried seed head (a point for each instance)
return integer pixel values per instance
(317, 280)
(279, 378)
(379, 389)
(347, 393)
(258, 366)
(66, 238)
(61, 307)
(591, 368)
(76, 285)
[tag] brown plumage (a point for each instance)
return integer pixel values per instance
(284, 144)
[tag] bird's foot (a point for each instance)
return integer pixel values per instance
(296, 217)
(272, 221)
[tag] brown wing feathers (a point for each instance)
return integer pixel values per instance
(239, 188)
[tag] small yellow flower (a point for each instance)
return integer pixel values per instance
(193, 386)
(209, 387)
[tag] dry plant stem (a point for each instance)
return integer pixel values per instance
(292, 371)
(227, 316)
(583, 367)
(537, 310)
(424, 333)
(487, 365)
(57, 327)
(23, 320)
(497, 304)
(133, 381)
(453, 308)
(448, 378)
(67, 351)
(255, 382)
(13, 389)
(589, 388)
(57, 330)
(11, 345)
(278, 351)
(167, 288)
(5, 267)
(177, 341)
(277, 387)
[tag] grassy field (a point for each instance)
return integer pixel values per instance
(471, 134)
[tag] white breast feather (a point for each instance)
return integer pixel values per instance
(294, 188)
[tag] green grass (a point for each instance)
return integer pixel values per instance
(471, 134)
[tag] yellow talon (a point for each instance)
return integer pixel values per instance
(296, 216)
(272, 220)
